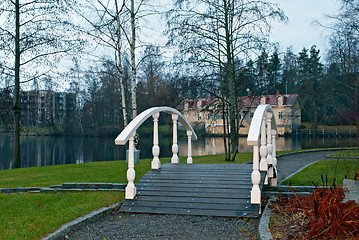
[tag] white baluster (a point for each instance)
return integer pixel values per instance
(269, 144)
(189, 136)
(131, 189)
(156, 164)
(256, 178)
(263, 148)
(174, 158)
(274, 159)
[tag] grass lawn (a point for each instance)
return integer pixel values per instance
(35, 215)
(330, 169)
(346, 153)
(307, 125)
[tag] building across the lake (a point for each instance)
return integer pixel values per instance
(206, 113)
(44, 107)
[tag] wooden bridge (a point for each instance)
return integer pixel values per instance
(231, 190)
(198, 189)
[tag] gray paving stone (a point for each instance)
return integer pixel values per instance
(353, 190)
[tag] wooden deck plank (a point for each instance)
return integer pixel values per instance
(191, 188)
(193, 194)
(191, 205)
(195, 189)
(197, 200)
(194, 181)
(175, 175)
(196, 175)
(244, 185)
(196, 212)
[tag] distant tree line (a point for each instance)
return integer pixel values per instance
(321, 88)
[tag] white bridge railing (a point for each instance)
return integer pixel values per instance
(128, 135)
(263, 127)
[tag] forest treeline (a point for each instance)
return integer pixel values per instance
(98, 111)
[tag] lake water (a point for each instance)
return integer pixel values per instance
(47, 150)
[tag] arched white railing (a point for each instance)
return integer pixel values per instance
(263, 128)
(128, 135)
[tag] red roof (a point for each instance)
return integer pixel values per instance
(245, 102)
(253, 101)
(192, 103)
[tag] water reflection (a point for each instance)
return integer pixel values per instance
(42, 151)
(213, 146)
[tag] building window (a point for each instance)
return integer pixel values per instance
(251, 114)
(199, 117)
(280, 115)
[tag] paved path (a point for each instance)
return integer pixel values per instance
(153, 226)
(291, 163)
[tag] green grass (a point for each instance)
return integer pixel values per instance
(331, 169)
(161, 128)
(346, 153)
(32, 216)
(36, 129)
(308, 125)
(113, 171)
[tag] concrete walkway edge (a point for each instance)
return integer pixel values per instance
(68, 227)
(263, 228)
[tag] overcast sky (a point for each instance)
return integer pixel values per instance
(300, 31)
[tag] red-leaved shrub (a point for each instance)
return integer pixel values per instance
(329, 217)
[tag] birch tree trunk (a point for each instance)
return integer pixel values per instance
(120, 69)
(133, 59)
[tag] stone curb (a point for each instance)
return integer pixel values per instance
(19, 190)
(117, 186)
(62, 232)
(263, 228)
(69, 187)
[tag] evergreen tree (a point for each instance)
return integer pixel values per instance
(289, 74)
(262, 73)
(333, 96)
(249, 77)
(310, 73)
(274, 73)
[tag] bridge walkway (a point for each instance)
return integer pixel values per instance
(196, 189)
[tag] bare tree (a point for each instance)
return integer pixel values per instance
(34, 35)
(212, 35)
(106, 24)
(344, 51)
(113, 24)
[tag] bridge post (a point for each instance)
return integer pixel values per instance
(189, 136)
(156, 164)
(269, 144)
(131, 189)
(263, 148)
(256, 178)
(274, 159)
(174, 158)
